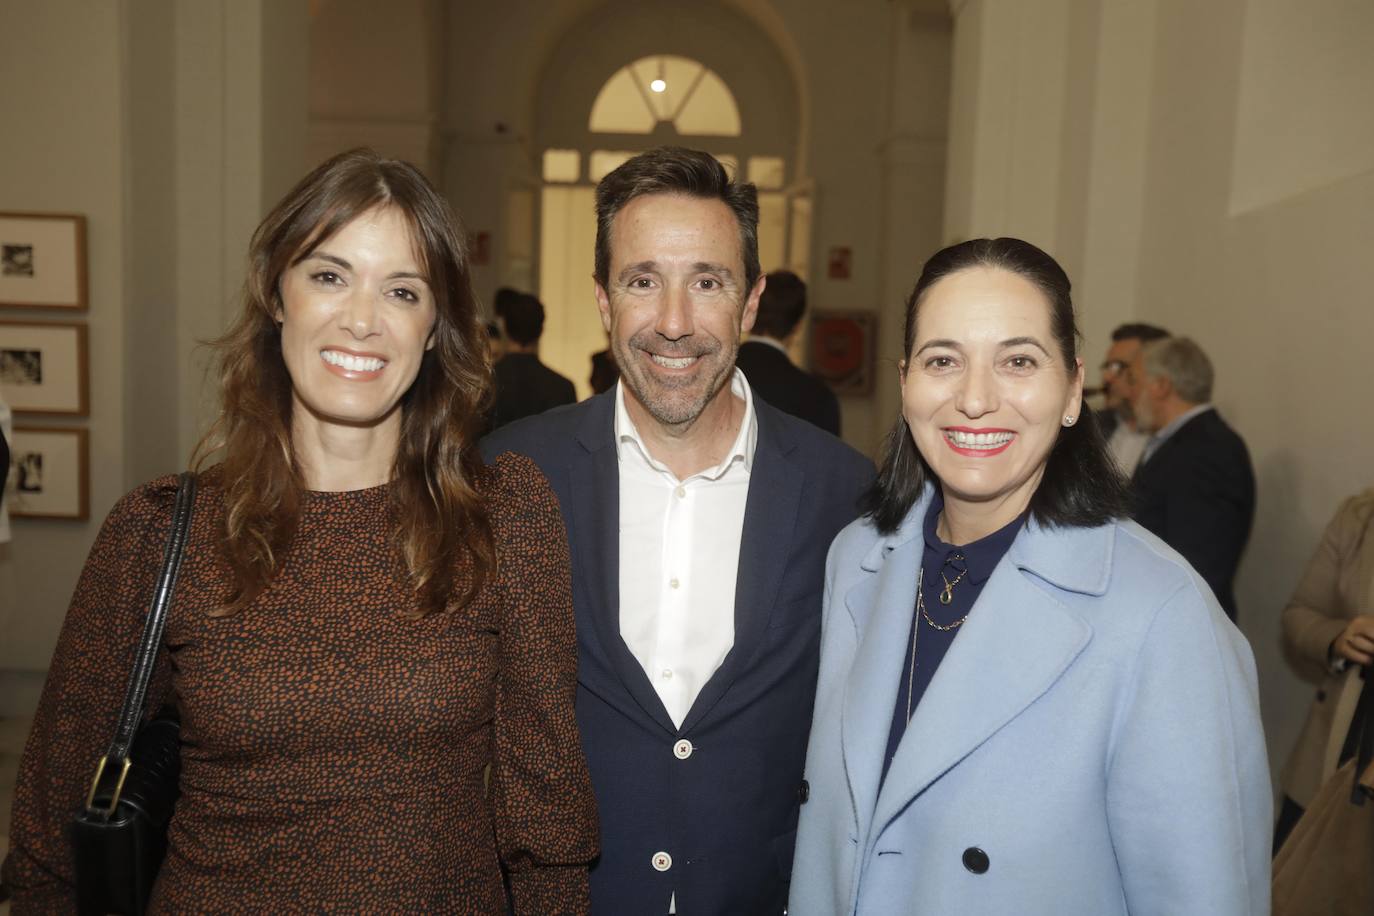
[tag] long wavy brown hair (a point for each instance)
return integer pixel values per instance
(443, 535)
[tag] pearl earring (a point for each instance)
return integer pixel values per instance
(1070, 421)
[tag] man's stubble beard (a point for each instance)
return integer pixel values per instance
(658, 398)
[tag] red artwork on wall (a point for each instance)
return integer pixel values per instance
(842, 350)
(839, 262)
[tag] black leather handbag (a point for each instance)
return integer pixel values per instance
(120, 836)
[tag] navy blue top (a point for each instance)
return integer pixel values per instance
(976, 560)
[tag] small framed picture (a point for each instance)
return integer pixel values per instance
(49, 473)
(43, 260)
(842, 349)
(43, 367)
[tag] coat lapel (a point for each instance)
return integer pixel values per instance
(595, 511)
(881, 607)
(1017, 642)
(770, 517)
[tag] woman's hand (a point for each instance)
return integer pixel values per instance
(1356, 642)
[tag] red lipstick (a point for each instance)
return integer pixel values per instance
(986, 452)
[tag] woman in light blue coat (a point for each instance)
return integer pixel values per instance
(1026, 704)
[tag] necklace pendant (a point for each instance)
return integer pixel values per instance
(947, 594)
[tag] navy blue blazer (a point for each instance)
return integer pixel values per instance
(724, 807)
(1197, 493)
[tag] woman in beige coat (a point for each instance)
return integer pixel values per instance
(1327, 626)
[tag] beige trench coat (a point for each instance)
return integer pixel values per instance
(1337, 586)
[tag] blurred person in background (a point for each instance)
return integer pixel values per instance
(1194, 486)
(764, 361)
(524, 385)
(1327, 626)
(1117, 417)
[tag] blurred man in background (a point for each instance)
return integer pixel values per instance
(1117, 417)
(1194, 486)
(524, 385)
(764, 360)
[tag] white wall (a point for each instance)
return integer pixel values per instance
(168, 125)
(1216, 177)
(63, 152)
(376, 80)
(1276, 293)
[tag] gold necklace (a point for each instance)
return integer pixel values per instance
(921, 606)
(916, 628)
(915, 632)
(947, 595)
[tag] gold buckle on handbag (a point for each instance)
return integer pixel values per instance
(119, 786)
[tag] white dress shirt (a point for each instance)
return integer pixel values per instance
(679, 553)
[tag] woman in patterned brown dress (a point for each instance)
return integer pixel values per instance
(368, 620)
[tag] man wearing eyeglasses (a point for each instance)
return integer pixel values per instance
(1118, 392)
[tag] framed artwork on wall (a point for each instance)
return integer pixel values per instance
(49, 473)
(842, 349)
(43, 367)
(43, 260)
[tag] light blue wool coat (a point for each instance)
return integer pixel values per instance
(1094, 730)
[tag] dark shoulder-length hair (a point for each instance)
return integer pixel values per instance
(443, 535)
(1082, 486)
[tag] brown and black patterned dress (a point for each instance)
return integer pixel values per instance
(333, 748)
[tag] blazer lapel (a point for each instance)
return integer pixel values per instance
(770, 517)
(595, 532)
(1016, 643)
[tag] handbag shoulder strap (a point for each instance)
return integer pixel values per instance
(132, 712)
(1359, 740)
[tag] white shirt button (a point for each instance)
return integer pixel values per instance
(662, 861)
(666, 674)
(681, 492)
(683, 749)
(674, 582)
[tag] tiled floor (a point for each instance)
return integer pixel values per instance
(13, 732)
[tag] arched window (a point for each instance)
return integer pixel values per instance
(668, 88)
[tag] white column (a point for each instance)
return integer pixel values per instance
(239, 128)
(912, 156)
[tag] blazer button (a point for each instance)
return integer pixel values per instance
(804, 791)
(975, 860)
(683, 749)
(662, 861)
(1321, 696)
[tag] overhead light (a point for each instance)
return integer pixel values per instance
(658, 85)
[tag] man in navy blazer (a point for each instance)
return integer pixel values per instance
(1194, 486)
(699, 518)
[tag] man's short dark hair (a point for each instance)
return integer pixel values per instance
(676, 170)
(502, 300)
(1139, 331)
(524, 316)
(781, 306)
